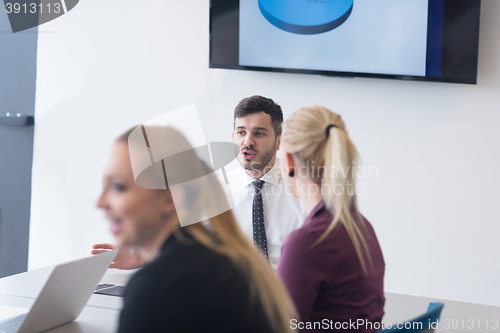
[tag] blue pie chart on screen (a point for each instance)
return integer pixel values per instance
(306, 17)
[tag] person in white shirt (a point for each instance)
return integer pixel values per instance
(265, 210)
(257, 131)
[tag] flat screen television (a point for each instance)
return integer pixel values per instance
(427, 40)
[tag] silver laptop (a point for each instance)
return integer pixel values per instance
(61, 300)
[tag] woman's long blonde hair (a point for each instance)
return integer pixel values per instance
(318, 138)
(223, 234)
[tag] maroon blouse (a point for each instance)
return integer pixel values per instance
(327, 282)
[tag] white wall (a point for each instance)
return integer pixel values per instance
(108, 65)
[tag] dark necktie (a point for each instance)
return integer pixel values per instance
(259, 230)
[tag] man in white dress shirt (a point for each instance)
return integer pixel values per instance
(257, 131)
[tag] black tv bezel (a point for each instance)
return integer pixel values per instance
(452, 7)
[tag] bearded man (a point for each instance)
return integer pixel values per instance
(268, 213)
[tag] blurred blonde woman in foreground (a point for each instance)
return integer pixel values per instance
(196, 279)
(333, 265)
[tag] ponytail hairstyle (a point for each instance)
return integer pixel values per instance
(317, 137)
(221, 234)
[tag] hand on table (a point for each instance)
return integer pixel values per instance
(127, 257)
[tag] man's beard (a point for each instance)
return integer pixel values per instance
(262, 161)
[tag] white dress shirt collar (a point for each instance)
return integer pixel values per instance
(272, 176)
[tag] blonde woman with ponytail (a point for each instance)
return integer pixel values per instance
(203, 277)
(332, 266)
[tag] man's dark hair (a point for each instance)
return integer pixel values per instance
(256, 104)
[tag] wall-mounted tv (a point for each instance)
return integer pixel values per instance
(428, 40)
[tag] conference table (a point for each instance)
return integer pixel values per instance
(101, 312)
(100, 315)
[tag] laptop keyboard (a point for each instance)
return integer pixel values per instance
(12, 325)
